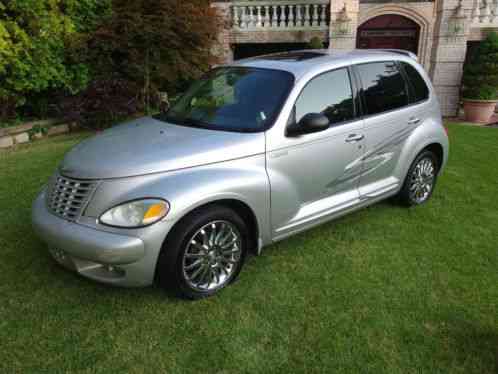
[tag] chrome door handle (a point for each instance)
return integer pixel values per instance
(354, 138)
(413, 121)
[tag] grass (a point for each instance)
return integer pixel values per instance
(384, 290)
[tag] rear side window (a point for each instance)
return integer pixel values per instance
(418, 89)
(329, 93)
(384, 88)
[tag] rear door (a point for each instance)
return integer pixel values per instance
(388, 122)
(419, 94)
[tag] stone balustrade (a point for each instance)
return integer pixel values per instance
(280, 15)
(485, 13)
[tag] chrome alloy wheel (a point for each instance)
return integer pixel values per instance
(422, 180)
(212, 256)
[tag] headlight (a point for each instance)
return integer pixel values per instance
(136, 213)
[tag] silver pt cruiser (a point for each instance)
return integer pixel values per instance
(251, 153)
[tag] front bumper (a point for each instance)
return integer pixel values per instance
(99, 255)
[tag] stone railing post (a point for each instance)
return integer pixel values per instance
(338, 40)
(222, 47)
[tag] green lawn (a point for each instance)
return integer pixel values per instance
(384, 290)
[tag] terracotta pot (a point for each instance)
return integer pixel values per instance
(479, 110)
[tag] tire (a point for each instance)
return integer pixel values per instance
(201, 269)
(420, 180)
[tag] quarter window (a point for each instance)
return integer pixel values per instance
(329, 93)
(384, 88)
(419, 90)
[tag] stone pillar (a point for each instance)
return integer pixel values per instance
(338, 40)
(223, 48)
(448, 54)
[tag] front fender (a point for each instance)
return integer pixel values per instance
(243, 179)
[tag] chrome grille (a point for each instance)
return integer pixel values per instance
(67, 197)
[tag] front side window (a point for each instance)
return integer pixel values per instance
(330, 94)
(419, 90)
(384, 88)
(239, 99)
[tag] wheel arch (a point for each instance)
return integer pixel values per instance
(239, 206)
(248, 216)
(436, 147)
(429, 136)
(438, 150)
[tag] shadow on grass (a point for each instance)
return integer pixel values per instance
(475, 348)
(356, 217)
(64, 278)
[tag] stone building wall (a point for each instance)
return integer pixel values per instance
(223, 49)
(440, 51)
(476, 34)
(280, 36)
(338, 40)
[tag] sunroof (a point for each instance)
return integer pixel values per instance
(293, 56)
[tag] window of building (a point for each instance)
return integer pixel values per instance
(384, 88)
(329, 93)
(419, 90)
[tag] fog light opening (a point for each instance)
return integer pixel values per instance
(58, 254)
(114, 270)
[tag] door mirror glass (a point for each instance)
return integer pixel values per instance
(309, 123)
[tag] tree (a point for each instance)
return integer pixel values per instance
(158, 45)
(33, 39)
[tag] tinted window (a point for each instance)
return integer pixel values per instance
(330, 94)
(383, 87)
(233, 98)
(419, 90)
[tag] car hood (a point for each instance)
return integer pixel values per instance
(147, 145)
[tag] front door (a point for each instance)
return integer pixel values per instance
(317, 174)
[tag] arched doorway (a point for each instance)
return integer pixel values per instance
(389, 31)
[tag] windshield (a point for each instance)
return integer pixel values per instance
(239, 99)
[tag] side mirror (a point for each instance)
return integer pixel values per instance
(309, 123)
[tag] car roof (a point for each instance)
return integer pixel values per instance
(303, 61)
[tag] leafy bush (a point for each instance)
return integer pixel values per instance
(480, 75)
(33, 39)
(315, 43)
(104, 58)
(37, 129)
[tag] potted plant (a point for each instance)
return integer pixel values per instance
(480, 81)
